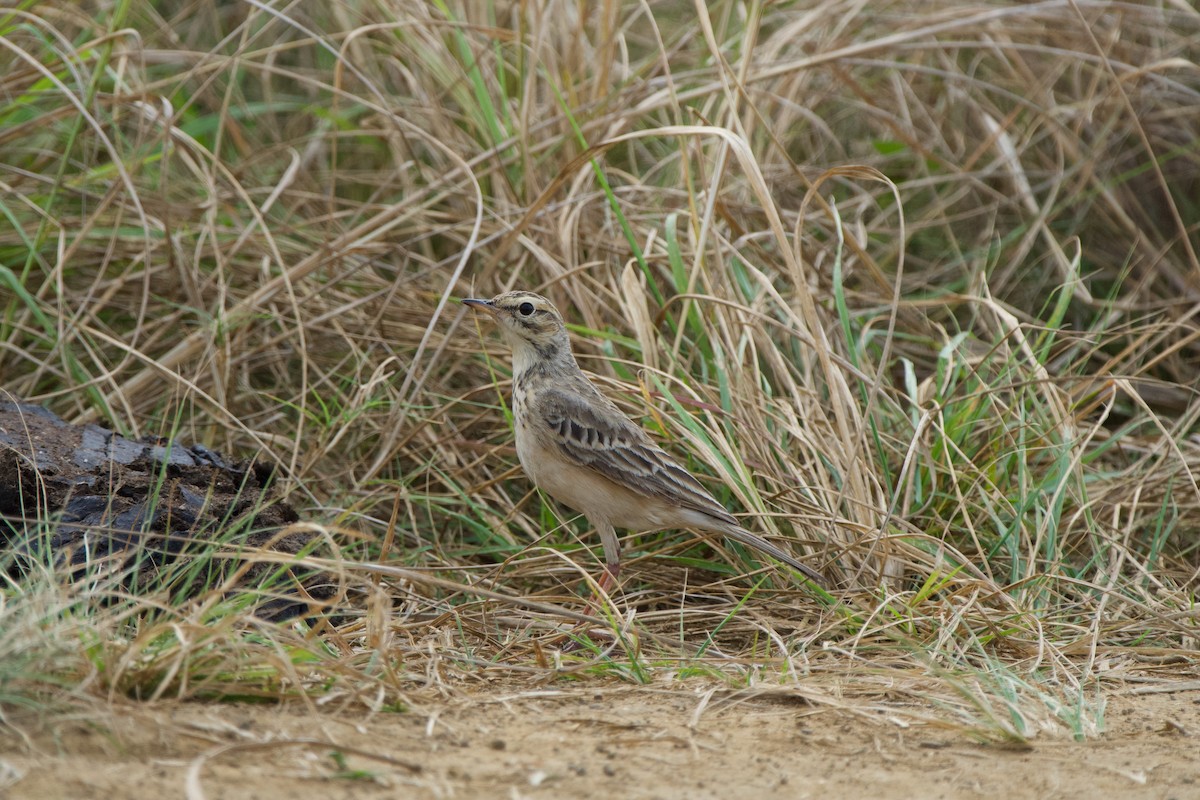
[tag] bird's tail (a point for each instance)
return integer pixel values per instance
(760, 544)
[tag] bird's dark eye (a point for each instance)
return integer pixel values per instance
(526, 309)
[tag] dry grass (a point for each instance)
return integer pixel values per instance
(913, 285)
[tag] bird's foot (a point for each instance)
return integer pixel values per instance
(607, 582)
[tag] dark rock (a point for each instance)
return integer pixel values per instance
(146, 511)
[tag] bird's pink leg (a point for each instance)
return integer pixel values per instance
(607, 582)
(609, 579)
(612, 556)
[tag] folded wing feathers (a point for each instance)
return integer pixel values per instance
(621, 452)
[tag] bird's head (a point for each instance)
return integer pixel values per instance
(530, 324)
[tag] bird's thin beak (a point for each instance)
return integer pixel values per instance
(482, 305)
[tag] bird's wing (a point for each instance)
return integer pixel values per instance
(615, 447)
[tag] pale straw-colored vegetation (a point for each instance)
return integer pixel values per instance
(912, 286)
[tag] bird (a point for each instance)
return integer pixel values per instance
(578, 447)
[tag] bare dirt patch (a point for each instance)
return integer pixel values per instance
(615, 741)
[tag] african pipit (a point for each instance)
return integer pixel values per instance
(578, 447)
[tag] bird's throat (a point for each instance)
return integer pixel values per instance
(548, 356)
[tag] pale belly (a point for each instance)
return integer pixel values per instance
(588, 492)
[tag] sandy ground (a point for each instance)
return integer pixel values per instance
(614, 742)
